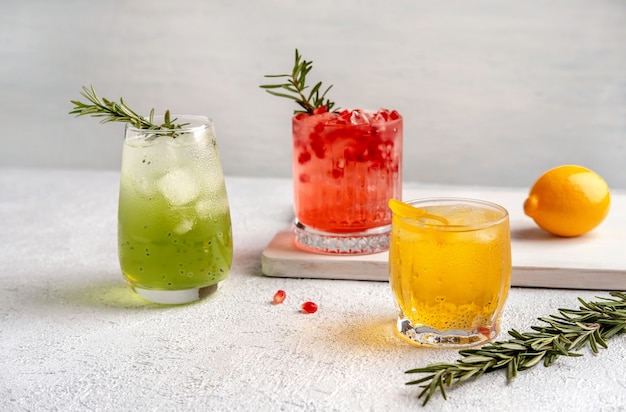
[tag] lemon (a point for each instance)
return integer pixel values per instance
(568, 201)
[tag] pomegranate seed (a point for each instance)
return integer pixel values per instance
(320, 110)
(309, 307)
(345, 114)
(304, 157)
(319, 152)
(317, 145)
(279, 297)
(484, 331)
(349, 153)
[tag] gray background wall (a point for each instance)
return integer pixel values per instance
(493, 92)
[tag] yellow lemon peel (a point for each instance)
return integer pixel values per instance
(408, 211)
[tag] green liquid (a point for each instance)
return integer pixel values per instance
(172, 248)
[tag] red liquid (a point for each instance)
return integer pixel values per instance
(344, 174)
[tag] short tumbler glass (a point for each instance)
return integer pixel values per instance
(450, 280)
(174, 227)
(346, 167)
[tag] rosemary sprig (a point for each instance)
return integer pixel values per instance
(111, 111)
(295, 87)
(562, 335)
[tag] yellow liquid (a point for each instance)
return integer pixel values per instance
(451, 278)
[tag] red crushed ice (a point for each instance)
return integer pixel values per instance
(366, 151)
(358, 116)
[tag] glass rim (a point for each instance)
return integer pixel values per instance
(432, 224)
(295, 118)
(197, 123)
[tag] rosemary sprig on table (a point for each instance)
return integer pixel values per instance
(296, 85)
(111, 111)
(590, 325)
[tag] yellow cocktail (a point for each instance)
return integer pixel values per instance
(450, 270)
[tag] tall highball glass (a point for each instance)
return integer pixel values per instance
(174, 227)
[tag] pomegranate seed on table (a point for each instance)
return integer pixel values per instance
(279, 297)
(309, 307)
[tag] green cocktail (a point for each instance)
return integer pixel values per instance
(174, 227)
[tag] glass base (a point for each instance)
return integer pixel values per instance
(452, 339)
(175, 297)
(370, 241)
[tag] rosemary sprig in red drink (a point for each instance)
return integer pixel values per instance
(346, 166)
(313, 101)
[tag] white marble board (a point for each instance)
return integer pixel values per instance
(596, 260)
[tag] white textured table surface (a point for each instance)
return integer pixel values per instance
(74, 337)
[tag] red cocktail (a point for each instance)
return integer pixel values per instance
(346, 167)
